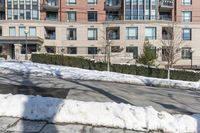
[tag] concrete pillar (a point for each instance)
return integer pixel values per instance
(18, 48)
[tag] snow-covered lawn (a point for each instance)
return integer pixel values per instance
(82, 74)
(97, 114)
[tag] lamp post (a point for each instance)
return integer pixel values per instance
(191, 54)
(108, 56)
(26, 33)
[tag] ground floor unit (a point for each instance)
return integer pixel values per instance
(124, 40)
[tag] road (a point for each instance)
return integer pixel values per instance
(167, 99)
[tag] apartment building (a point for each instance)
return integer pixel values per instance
(81, 27)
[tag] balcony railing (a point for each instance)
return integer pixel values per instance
(166, 4)
(113, 5)
(166, 17)
(50, 6)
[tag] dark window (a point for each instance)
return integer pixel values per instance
(71, 50)
(92, 50)
(133, 50)
(115, 49)
(30, 48)
(50, 49)
(167, 33)
(186, 53)
(92, 15)
(1, 50)
(71, 34)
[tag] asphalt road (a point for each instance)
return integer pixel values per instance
(168, 99)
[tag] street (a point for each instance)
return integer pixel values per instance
(167, 99)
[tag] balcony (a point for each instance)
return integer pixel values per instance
(21, 39)
(166, 17)
(51, 6)
(166, 4)
(112, 5)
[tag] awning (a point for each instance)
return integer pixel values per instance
(20, 40)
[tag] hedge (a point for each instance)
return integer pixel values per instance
(3, 56)
(80, 62)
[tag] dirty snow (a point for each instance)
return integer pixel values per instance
(82, 74)
(97, 114)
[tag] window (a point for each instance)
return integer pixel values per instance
(1, 49)
(92, 15)
(186, 53)
(115, 49)
(165, 53)
(92, 50)
(187, 2)
(21, 31)
(133, 50)
(30, 48)
(92, 34)
(50, 49)
(21, 14)
(34, 14)
(71, 16)
(28, 14)
(15, 13)
(28, 5)
(32, 31)
(12, 31)
(167, 33)
(71, 50)
(132, 33)
(71, 2)
(113, 33)
(71, 34)
(150, 33)
(187, 34)
(186, 16)
(92, 1)
(9, 13)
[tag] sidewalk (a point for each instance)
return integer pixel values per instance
(17, 125)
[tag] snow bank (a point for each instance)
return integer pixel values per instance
(82, 74)
(94, 113)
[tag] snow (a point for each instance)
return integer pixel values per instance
(82, 74)
(97, 114)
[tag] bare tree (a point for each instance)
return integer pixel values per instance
(171, 44)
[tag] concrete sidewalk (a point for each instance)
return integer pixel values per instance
(17, 125)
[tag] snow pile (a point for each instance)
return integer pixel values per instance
(82, 74)
(94, 113)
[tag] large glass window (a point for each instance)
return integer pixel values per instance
(21, 31)
(9, 13)
(186, 53)
(187, 34)
(150, 33)
(28, 14)
(71, 33)
(92, 15)
(132, 33)
(71, 16)
(187, 16)
(34, 14)
(32, 31)
(187, 2)
(92, 34)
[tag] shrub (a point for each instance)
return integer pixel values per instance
(80, 62)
